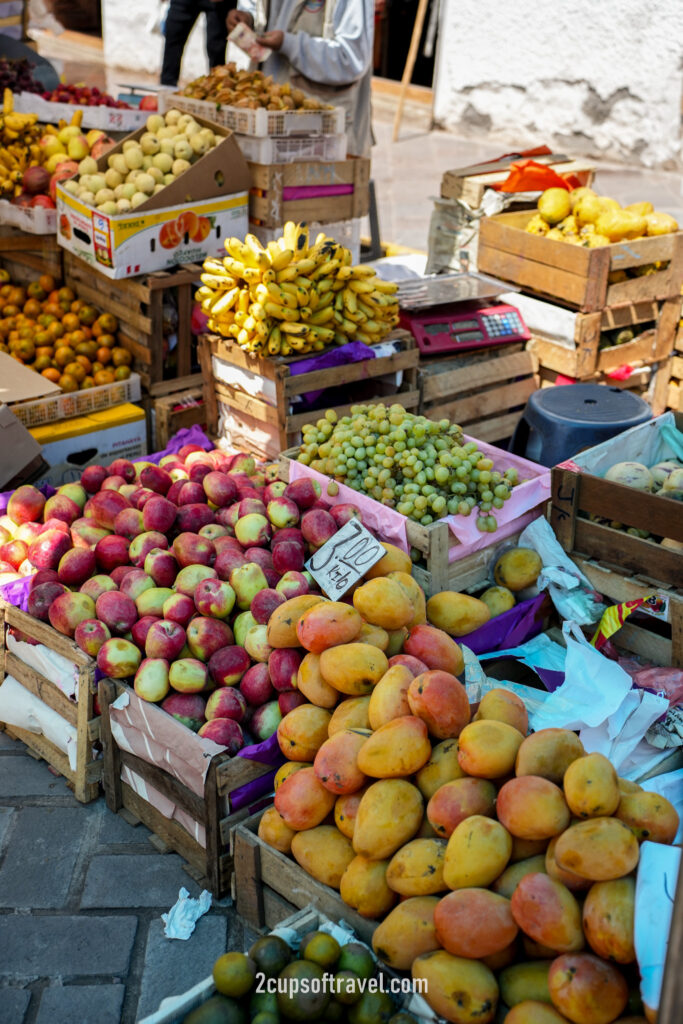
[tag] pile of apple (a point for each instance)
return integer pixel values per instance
(84, 95)
(168, 574)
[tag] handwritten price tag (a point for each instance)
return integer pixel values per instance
(344, 559)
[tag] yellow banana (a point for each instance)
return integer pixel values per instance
(322, 316)
(288, 274)
(363, 287)
(225, 302)
(274, 341)
(282, 260)
(305, 266)
(349, 299)
(292, 329)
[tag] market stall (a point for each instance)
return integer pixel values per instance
(341, 650)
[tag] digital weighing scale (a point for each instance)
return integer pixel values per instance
(454, 312)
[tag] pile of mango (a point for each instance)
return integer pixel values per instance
(499, 865)
(582, 217)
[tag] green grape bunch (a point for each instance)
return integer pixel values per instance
(423, 468)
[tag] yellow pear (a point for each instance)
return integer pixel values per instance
(577, 194)
(660, 223)
(642, 208)
(587, 210)
(553, 205)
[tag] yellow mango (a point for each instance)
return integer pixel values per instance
(477, 853)
(399, 748)
(389, 814)
(459, 990)
(406, 932)
(457, 614)
(517, 569)
(324, 853)
(364, 887)
(384, 603)
(353, 668)
(389, 699)
(442, 767)
(350, 714)
(417, 868)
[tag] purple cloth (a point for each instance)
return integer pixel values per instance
(353, 352)
(510, 629)
(267, 752)
(188, 435)
(16, 593)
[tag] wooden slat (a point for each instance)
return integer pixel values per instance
(506, 233)
(232, 773)
(338, 376)
(42, 688)
(45, 634)
(661, 516)
(47, 750)
(173, 833)
(247, 404)
(536, 277)
(166, 784)
(247, 888)
(163, 388)
(465, 410)
(468, 377)
(633, 554)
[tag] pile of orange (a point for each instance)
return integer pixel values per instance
(48, 328)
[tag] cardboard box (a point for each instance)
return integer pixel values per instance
(19, 383)
(184, 223)
(309, 191)
(18, 450)
(83, 441)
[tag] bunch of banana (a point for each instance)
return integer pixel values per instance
(294, 298)
(19, 149)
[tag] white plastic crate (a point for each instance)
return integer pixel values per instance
(52, 408)
(35, 220)
(107, 119)
(292, 149)
(347, 232)
(259, 122)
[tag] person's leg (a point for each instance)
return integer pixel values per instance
(180, 18)
(216, 30)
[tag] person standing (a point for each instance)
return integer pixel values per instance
(180, 19)
(323, 47)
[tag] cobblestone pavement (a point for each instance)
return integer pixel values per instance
(81, 898)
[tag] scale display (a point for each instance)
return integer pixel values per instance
(454, 328)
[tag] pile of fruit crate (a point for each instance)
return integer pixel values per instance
(593, 308)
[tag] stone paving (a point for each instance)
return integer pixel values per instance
(81, 898)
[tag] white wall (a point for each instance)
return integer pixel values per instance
(595, 77)
(129, 44)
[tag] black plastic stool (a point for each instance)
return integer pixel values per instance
(562, 421)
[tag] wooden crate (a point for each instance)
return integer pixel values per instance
(586, 358)
(268, 886)
(78, 713)
(657, 641)
(470, 188)
(269, 203)
(138, 304)
(26, 257)
(177, 411)
(484, 391)
(577, 495)
(674, 390)
(576, 276)
(432, 546)
(210, 864)
(281, 427)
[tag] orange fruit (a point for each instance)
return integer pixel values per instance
(75, 370)
(103, 355)
(66, 295)
(70, 322)
(107, 339)
(87, 315)
(47, 283)
(108, 323)
(64, 355)
(85, 363)
(122, 373)
(103, 377)
(51, 374)
(31, 308)
(68, 383)
(121, 356)
(87, 382)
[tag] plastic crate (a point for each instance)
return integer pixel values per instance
(347, 232)
(36, 220)
(77, 403)
(260, 122)
(291, 149)
(108, 119)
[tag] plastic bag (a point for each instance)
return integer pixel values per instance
(570, 591)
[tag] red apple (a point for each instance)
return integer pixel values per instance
(156, 479)
(93, 477)
(228, 516)
(219, 488)
(256, 643)
(97, 585)
(186, 708)
(26, 532)
(141, 628)
(151, 679)
(43, 576)
(135, 583)
(85, 533)
(191, 549)
(158, 513)
(214, 532)
(162, 567)
(206, 636)
(104, 507)
(228, 664)
(266, 720)
(191, 518)
(344, 513)
(261, 556)
(198, 470)
(188, 578)
(214, 598)
(14, 552)
(111, 551)
(151, 602)
(226, 702)
(128, 523)
(304, 492)
(179, 608)
(283, 666)
(188, 449)
(188, 675)
(292, 584)
(117, 611)
(41, 597)
(225, 732)
(114, 483)
(256, 685)
(191, 493)
(289, 700)
(318, 527)
(119, 574)
(76, 566)
(264, 604)
(274, 490)
(246, 581)
(227, 559)
(59, 506)
(292, 533)
(165, 639)
(288, 556)
(140, 496)
(90, 635)
(124, 468)
(47, 549)
(282, 512)
(67, 610)
(141, 546)
(118, 658)
(25, 505)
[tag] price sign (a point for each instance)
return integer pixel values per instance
(344, 559)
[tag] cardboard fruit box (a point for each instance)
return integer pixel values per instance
(184, 223)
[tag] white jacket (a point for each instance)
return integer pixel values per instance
(336, 65)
